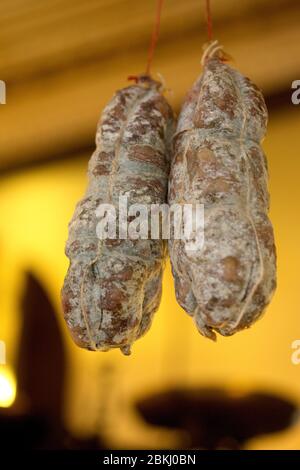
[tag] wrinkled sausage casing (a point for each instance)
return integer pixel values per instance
(218, 162)
(113, 286)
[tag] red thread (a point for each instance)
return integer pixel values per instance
(209, 21)
(155, 35)
(133, 78)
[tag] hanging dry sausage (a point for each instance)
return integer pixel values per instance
(113, 286)
(218, 162)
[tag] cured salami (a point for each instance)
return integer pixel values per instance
(113, 285)
(218, 162)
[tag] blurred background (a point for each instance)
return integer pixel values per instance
(62, 60)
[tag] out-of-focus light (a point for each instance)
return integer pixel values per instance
(7, 387)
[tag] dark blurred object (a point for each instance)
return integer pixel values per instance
(30, 432)
(36, 419)
(214, 419)
(41, 360)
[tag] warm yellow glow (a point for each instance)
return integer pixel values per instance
(7, 387)
(36, 207)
